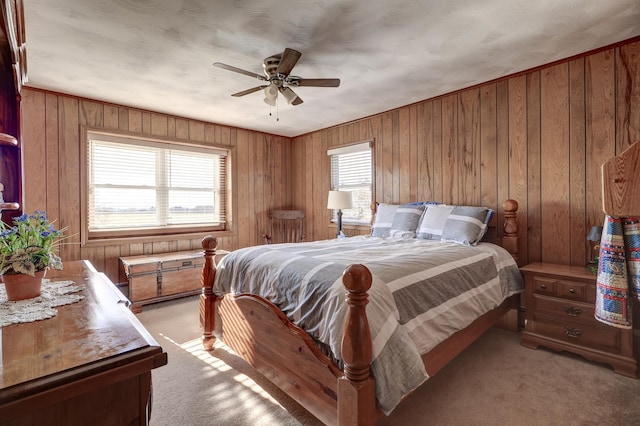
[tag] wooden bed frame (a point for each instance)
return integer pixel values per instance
(262, 335)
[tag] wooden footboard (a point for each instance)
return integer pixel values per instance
(284, 353)
(262, 335)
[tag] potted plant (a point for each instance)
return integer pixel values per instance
(27, 250)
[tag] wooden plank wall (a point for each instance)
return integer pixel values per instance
(539, 137)
(52, 146)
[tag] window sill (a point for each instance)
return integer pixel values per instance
(99, 242)
(352, 228)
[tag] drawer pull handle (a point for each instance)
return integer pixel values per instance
(571, 311)
(572, 332)
(543, 286)
(572, 291)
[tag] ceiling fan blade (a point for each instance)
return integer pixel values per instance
(246, 92)
(239, 70)
(317, 82)
(290, 96)
(288, 60)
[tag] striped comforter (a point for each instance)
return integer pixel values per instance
(422, 292)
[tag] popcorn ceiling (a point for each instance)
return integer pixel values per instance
(158, 54)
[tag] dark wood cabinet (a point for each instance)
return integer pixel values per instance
(13, 69)
(559, 305)
(9, 175)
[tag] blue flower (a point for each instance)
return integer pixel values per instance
(29, 245)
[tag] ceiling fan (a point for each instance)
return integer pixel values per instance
(276, 78)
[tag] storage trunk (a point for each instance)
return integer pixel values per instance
(158, 277)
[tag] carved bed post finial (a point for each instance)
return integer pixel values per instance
(356, 389)
(510, 238)
(207, 298)
(356, 356)
(374, 210)
(620, 189)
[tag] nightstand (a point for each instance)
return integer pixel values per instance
(559, 307)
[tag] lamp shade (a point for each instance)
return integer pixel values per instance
(339, 200)
(595, 233)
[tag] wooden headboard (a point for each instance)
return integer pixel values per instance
(621, 183)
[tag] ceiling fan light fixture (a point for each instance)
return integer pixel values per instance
(271, 92)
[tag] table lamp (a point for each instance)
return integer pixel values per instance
(339, 200)
(594, 236)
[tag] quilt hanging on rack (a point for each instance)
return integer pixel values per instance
(618, 271)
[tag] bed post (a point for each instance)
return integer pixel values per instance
(510, 238)
(374, 210)
(207, 298)
(356, 388)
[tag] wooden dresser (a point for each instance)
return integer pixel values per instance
(559, 305)
(90, 364)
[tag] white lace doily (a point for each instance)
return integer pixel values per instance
(54, 293)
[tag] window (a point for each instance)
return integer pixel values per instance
(143, 187)
(351, 170)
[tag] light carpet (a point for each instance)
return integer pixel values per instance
(495, 381)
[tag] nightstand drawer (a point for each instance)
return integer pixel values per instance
(597, 336)
(563, 310)
(566, 289)
(571, 290)
(544, 285)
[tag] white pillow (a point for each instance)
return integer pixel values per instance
(384, 219)
(432, 223)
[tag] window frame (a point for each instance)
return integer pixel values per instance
(153, 234)
(345, 149)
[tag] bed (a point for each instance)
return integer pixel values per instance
(342, 377)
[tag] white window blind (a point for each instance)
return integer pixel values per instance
(142, 184)
(351, 170)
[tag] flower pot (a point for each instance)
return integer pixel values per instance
(23, 286)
